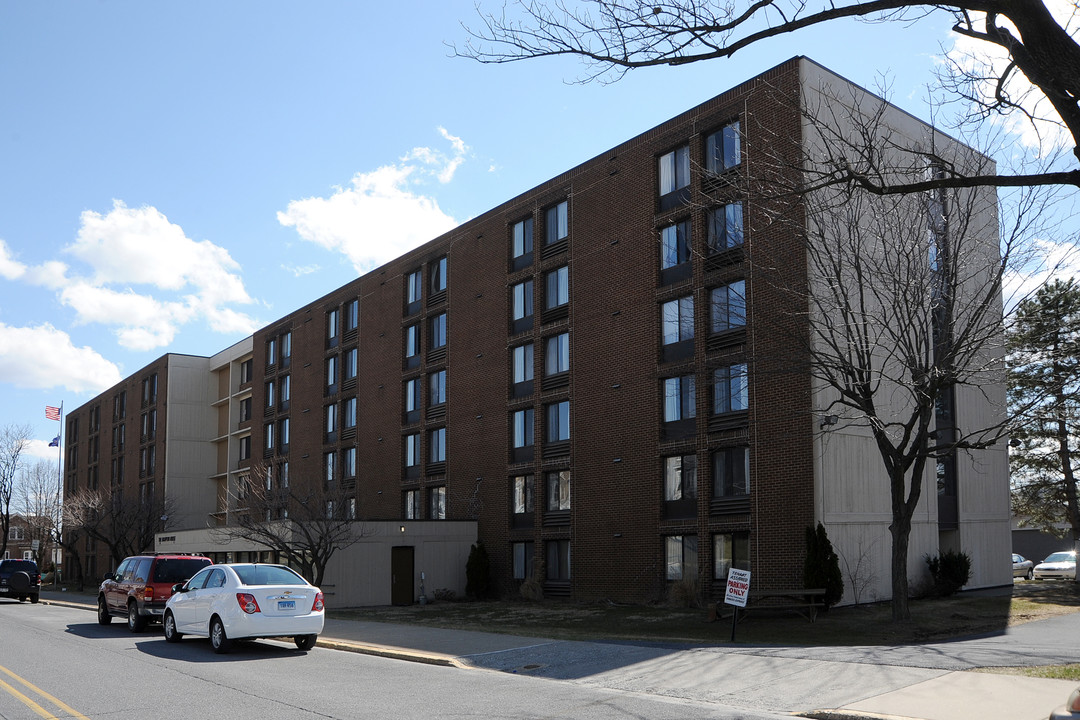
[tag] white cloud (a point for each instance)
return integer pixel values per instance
(127, 247)
(41, 449)
(983, 59)
(1050, 260)
(43, 357)
(301, 270)
(10, 268)
(380, 215)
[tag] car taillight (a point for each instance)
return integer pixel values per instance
(148, 593)
(247, 603)
(318, 605)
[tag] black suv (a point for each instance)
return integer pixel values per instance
(20, 579)
(142, 584)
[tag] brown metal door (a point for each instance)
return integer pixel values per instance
(401, 575)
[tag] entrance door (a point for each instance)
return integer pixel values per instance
(401, 575)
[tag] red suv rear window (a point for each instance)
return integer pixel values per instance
(177, 570)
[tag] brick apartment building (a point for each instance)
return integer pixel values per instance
(585, 372)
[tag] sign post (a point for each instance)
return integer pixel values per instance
(738, 588)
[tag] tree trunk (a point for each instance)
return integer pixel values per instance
(900, 529)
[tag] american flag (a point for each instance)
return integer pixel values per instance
(52, 413)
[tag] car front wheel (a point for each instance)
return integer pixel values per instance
(218, 639)
(103, 616)
(169, 623)
(305, 642)
(136, 622)
(1030, 574)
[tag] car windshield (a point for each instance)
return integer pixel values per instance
(177, 570)
(267, 575)
(1061, 557)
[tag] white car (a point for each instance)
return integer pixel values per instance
(245, 601)
(1059, 565)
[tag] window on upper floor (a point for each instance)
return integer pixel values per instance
(682, 556)
(680, 477)
(730, 389)
(437, 503)
(351, 360)
(437, 386)
(557, 490)
(283, 433)
(329, 466)
(271, 352)
(437, 443)
(557, 354)
(414, 287)
(725, 229)
(348, 462)
(522, 491)
(245, 371)
(677, 318)
(348, 413)
(411, 501)
(285, 381)
(674, 170)
(723, 149)
(331, 419)
(438, 331)
(438, 275)
(271, 395)
(268, 436)
(522, 421)
(522, 300)
(411, 392)
(332, 373)
(332, 321)
(680, 398)
(556, 223)
(674, 244)
(522, 243)
(731, 472)
(412, 450)
(558, 421)
(728, 306)
(352, 315)
(557, 288)
(522, 357)
(286, 346)
(412, 341)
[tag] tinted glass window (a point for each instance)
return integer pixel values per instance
(199, 580)
(267, 575)
(175, 570)
(142, 570)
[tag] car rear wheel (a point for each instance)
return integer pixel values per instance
(136, 622)
(218, 639)
(33, 599)
(169, 623)
(305, 642)
(103, 616)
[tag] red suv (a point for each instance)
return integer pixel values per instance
(142, 584)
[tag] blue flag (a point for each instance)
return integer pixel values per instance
(55, 442)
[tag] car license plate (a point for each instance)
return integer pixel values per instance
(286, 605)
(3, 589)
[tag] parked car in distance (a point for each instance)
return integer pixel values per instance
(141, 585)
(20, 579)
(1070, 710)
(1022, 567)
(245, 601)
(1059, 565)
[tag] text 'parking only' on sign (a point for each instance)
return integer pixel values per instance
(738, 587)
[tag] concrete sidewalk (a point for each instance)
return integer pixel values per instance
(920, 682)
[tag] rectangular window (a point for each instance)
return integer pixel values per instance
(675, 170)
(352, 315)
(557, 559)
(412, 341)
(348, 412)
(730, 550)
(558, 490)
(680, 398)
(522, 300)
(731, 472)
(245, 372)
(680, 477)
(331, 371)
(557, 354)
(286, 388)
(556, 223)
(675, 244)
(328, 466)
(438, 331)
(351, 359)
(557, 288)
(523, 237)
(283, 432)
(412, 450)
(270, 396)
(437, 385)
(413, 287)
(285, 474)
(728, 307)
(412, 504)
(271, 351)
(523, 428)
(245, 409)
(523, 494)
(348, 462)
(245, 451)
(523, 363)
(437, 441)
(730, 392)
(331, 325)
(437, 503)
(438, 275)
(678, 320)
(523, 559)
(412, 395)
(286, 345)
(558, 421)
(725, 227)
(682, 556)
(723, 149)
(268, 433)
(331, 419)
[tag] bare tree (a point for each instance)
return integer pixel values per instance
(37, 500)
(13, 441)
(303, 519)
(614, 36)
(127, 526)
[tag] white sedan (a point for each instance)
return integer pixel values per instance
(245, 601)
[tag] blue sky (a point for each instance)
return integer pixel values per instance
(175, 175)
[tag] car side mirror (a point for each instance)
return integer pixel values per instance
(179, 588)
(109, 576)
